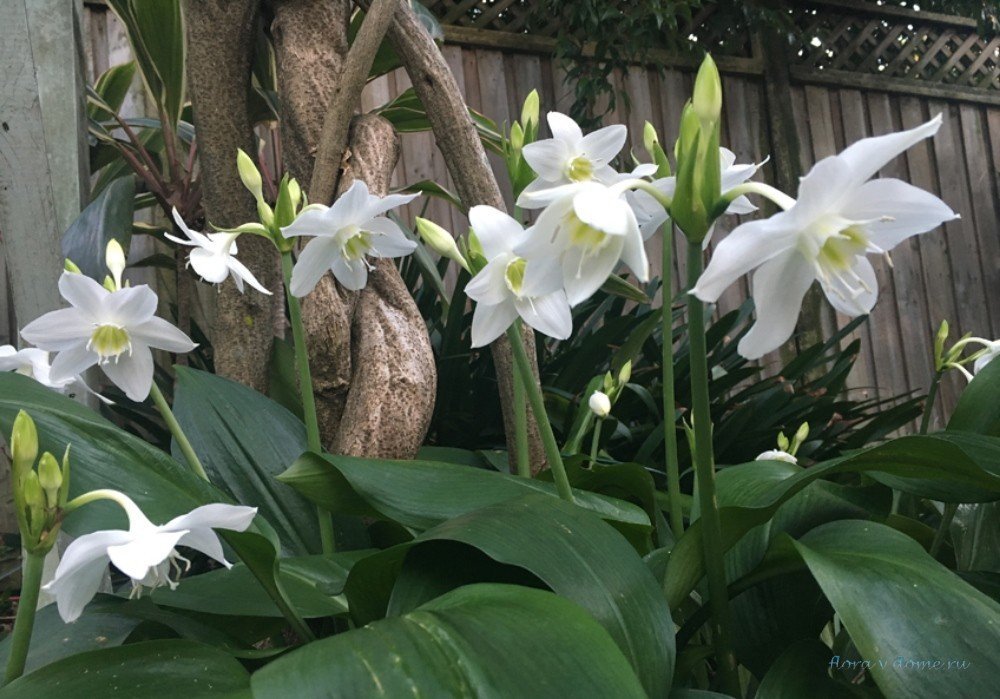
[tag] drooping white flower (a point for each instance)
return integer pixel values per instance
(214, 256)
(498, 288)
(840, 216)
(34, 363)
(346, 233)
(146, 552)
(991, 350)
(599, 404)
(569, 157)
(586, 230)
(651, 215)
(776, 455)
(113, 329)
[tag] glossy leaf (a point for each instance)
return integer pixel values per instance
(567, 549)
(802, 671)
(112, 86)
(479, 640)
(108, 217)
(172, 669)
(900, 605)
(978, 409)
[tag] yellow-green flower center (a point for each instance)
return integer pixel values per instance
(580, 169)
(109, 341)
(583, 234)
(839, 250)
(514, 275)
(356, 245)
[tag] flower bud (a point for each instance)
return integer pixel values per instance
(440, 241)
(295, 194)
(284, 209)
(114, 258)
(776, 455)
(50, 478)
(529, 111)
(34, 505)
(782, 442)
(249, 174)
(516, 137)
(23, 443)
(625, 373)
(707, 99)
(70, 266)
(64, 480)
(650, 139)
(802, 433)
(600, 404)
(939, 340)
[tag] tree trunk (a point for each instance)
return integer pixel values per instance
(220, 41)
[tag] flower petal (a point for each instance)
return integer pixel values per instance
(778, 288)
(748, 246)
(542, 275)
(390, 241)
(496, 231)
(59, 330)
(549, 314)
(853, 296)
(83, 292)
(129, 306)
(242, 274)
(217, 515)
(352, 275)
(132, 372)
(564, 128)
(598, 207)
(584, 274)
(71, 362)
(869, 155)
(489, 287)
(634, 252)
(314, 261)
(311, 222)
(895, 210)
(379, 205)
(211, 267)
(351, 206)
(80, 571)
(161, 334)
(144, 551)
(491, 321)
(548, 158)
(603, 145)
(196, 238)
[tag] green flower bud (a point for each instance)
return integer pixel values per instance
(440, 241)
(625, 373)
(802, 433)
(650, 139)
(70, 266)
(114, 258)
(64, 481)
(295, 194)
(529, 112)
(249, 174)
(34, 505)
(707, 99)
(782, 441)
(23, 444)
(284, 208)
(50, 479)
(516, 137)
(939, 340)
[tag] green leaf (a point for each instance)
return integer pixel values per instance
(618, 286)
(978, 409)
(432, 188)
(312, 583)
(108, 217)
(899, 604)
(568, 549)
(803, 671)
(480, 640)
(172, 669)
(112, 86)
(243, 455)
(422, 494)
(975, 531)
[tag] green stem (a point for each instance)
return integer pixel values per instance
(521, 428)
(537, 402)
(704, 466)
(925, 420)
(950, 509)
(306, 392)
(595, 441)
(176, 431)
(669, 400)
(20, 637)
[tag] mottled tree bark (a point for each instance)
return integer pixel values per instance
(220, 41)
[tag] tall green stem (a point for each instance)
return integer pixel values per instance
(595, 441)
(704, 466)
(306, 392)
(20, 638)
(669, 402)
(534, 393)
(949, 508)
(925, 420)
(947, 516)
(175, 429)
(523, 458)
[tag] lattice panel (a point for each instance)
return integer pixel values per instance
(897, 47)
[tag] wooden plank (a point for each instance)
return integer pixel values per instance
(845, 78)
(493, 95)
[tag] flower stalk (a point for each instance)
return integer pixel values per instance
(178, 433)
(20, 640)
(523, 458)
(704, 466)
(306, 391)
(673, 467)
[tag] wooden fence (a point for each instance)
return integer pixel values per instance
(860, 70)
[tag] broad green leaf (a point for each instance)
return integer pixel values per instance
(433, 189)
(802, 671)
(422, 494)
(569, 550)
(975, 532)
(978, 408)
(172, 669)
(108, 217)
(900, 605)
(951, 465)
(112, 86)
(244, 440)
(313, 584)
(489, 641)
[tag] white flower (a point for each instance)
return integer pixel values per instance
(841, 215)
(114, 329)
(600, 404)
(498, 288)
(214, 256)
(776, 455)
(651, 215)
(146, 552)
(346, 233)
(34, 363)
(585, 231)
(569, 157)
(991, 352)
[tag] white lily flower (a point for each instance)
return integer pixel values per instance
(214, 256)
(841, 215)
(113, 329)
(584, 232)
(599, 404)
(498, 288)
(346, 233)
(34, 363)
(651, 214)
(990, 352)
(569, 157)
(146, 552)
(776, 455)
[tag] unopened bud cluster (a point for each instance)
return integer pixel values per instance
(41, 486)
